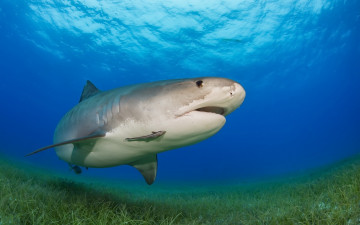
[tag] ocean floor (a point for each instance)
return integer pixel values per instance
(327, 196)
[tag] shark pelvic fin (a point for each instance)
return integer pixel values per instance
(75, 168)
(147, 166)
(94, 135)
(149, 137)
(88, 91)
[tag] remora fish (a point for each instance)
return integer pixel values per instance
(130, 125)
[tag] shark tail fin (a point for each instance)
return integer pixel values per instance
(94, 135)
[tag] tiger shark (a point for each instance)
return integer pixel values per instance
(130, 125)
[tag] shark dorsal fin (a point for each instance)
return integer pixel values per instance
(147, 166)
(88, 91)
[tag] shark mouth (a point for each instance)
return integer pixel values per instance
(216, 110)
(212, 109)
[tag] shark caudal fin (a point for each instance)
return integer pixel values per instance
(94, 135)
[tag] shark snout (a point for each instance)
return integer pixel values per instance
(237, 93)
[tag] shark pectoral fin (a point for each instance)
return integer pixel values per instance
(96, 134)
(147, 166)
(150, 137)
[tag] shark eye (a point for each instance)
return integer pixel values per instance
(199, 83)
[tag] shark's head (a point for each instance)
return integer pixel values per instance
(208, 95)
(189, 110)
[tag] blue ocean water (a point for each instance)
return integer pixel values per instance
(299, 62)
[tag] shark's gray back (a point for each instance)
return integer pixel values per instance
(106, 110)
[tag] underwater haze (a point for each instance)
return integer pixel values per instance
(298, 60)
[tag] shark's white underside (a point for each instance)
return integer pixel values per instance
(113, 149)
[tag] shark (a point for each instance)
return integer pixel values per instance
(130, 125)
